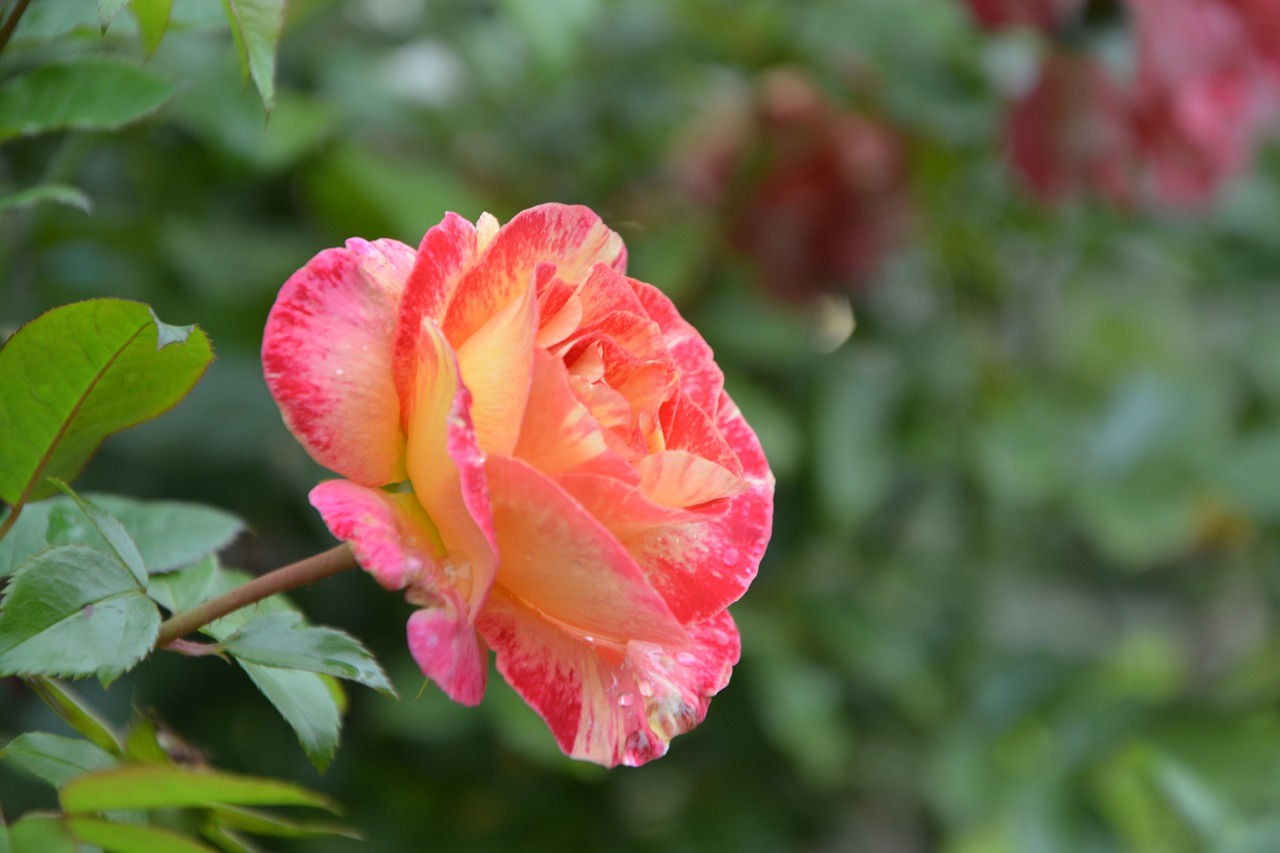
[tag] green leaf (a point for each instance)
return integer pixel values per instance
(307, 704)
(183, 590)
(55, 759)
(5, 845)
(152, 787)
(125, 838)
(308, 701)
(107, 11)
(256, 26)
(142, 744)
(76, 713)
(26, 538)
(261, 823)
(74, 611)
(57, 193)
(153, 20)
(41, 833)
(111, 532)
(279, 640)
(77, 374)
(169, 534)
(89, 93)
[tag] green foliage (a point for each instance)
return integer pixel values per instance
(72, 611)
(55, 759)
(289, 662)
(89, 93)
(151, 787)
(55, 193)
(256, 26)
(124, 838)
(79, 373)
(280, 640)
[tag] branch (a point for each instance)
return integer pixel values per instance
(10, 519)
(11, 23)
(306, 571)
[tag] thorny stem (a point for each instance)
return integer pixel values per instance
(11, 23)
(306, 571)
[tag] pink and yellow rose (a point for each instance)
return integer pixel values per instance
(540, 452)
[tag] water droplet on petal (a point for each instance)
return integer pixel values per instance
(338, 372)
(731, 556)
(588, 639)
(626, 700)
(686, 658)
(646, 689)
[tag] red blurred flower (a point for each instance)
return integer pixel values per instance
(1072, 131)
(1042, 14)
(1205, 89)
(814, 195)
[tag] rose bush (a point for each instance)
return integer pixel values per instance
(539, 451)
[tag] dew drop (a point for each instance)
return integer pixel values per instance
(589, 640)
(338, 372)
(646, 688)
(686, 658)
(731, 556)
(626, 700)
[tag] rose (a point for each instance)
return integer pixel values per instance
(539, 451)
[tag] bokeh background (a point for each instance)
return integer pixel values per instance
(1023, 588)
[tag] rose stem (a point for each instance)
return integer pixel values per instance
(11, 23)
(306, 571)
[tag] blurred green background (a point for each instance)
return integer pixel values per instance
(1023, 585)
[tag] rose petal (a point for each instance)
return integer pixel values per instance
(571, 237)
(686, 426)
(392, 538)
(446, 466)
(610, 704)
(559, 434)
(701, 568)
(445, 253)
(679, 478)
(496, 364)
(394, 541)
(561, 561)
(700, 376)
(326, 356)
(449, 651)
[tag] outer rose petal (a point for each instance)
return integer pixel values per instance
(395, 542)
(446, 252)
(391, 536)
(572, 237)
(561, 561)
(326, 355)
(448, 650)
(699, 569)
(607, 703)
(446, 467)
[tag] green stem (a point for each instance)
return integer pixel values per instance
(306, 571)
(11, 23)
(10, 519)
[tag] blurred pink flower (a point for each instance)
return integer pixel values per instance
(1205, 90)
(813, 194)
(1072, 131)
(1042, 14)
